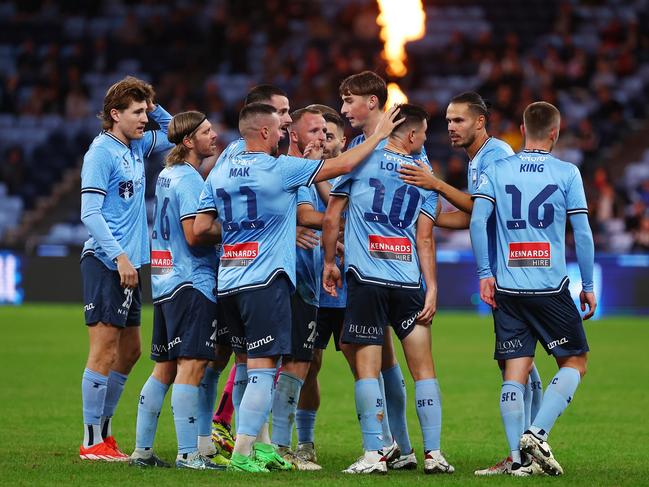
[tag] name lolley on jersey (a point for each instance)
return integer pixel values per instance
(391, 248)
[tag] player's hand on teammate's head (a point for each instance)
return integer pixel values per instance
(488, 291)
(588, 299)
(331, 279)
(306, 238)
(420, 175)
(389, 120)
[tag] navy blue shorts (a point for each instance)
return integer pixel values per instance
(370, 308)
(303, 328)
(104, 299)
(519, 321)
(184, 326)
(259, 321)
(328, 324)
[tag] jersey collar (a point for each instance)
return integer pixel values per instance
(482, 147)
(535, 151)
(107, 133)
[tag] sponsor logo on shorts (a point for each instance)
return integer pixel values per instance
(554, 343)
(508, 346)
(365, 331)
(405, 324)
(239, 255)
(126, 189)
(173, 343)
(89, 307)
(392, 248)
(237, 341)
(529, 254)
(162, 262)
(260, 342)
(157, 349)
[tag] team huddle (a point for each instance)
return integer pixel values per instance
(268, 256)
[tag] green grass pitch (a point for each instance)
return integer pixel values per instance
(602, 439)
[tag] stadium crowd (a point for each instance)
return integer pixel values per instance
(587, 58)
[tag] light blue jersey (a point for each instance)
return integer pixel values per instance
(112, 187)
(174, 264)
(359, 139)
(492, 150)
(380, 245)
(309, 262)
(533, 194)
(254, 196)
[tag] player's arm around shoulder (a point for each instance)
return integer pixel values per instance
(353, 157)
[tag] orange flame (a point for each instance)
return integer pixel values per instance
(401, 21)
(395, 95)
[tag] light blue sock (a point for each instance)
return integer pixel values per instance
(395, 397)
(238, 389)
(115, 387)
(369, 402)
(527, 403)
(206, 400)
(256, 401)
(429, 411)
(152, 396)
(555, 400)
(388, 440)
(537, 392)
(184, 404)
(287, 394)
(512, 411)
(93, 396)
(305, 425)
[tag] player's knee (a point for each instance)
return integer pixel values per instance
(134, 354)
(582, 368)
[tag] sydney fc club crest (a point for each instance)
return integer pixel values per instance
(126, 189)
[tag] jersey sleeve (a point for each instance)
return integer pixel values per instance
(575, 196)
(96, 171)
(482, 210)
(188, 193)
(485, 188)
(342, 185)
(429, 207)
(156, 140)
(206, 203)
(297, 171)
(304, 196)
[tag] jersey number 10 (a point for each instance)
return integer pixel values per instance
(377, 215)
